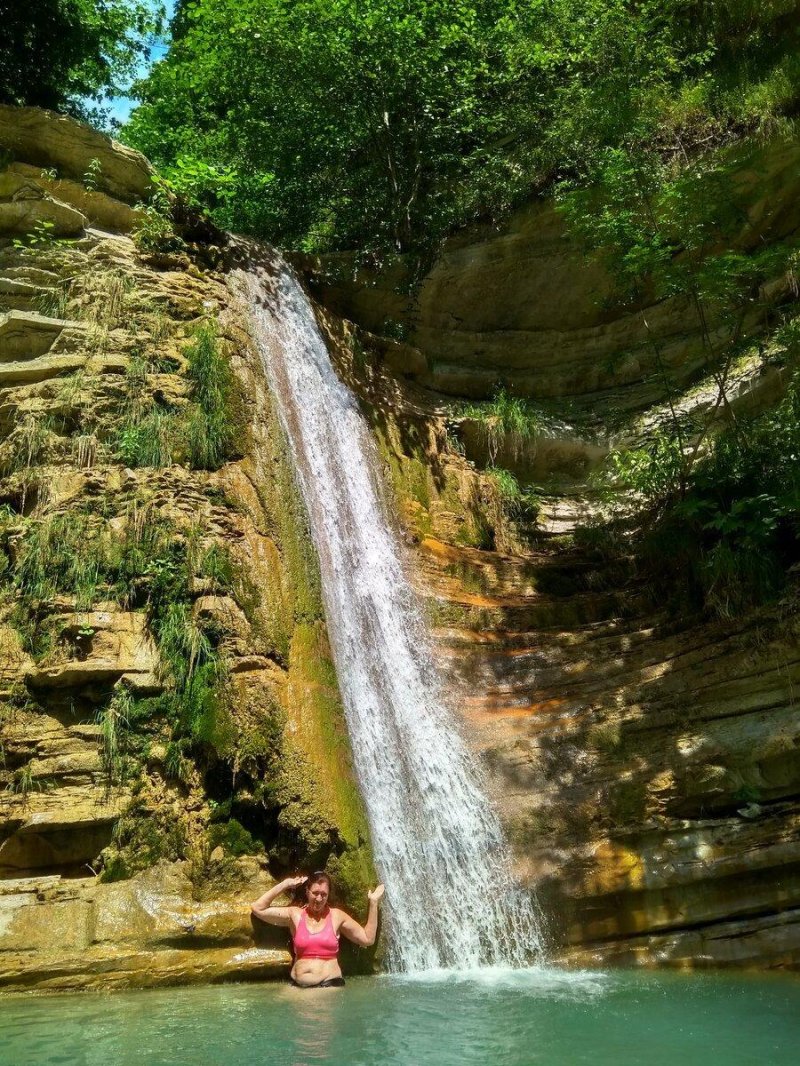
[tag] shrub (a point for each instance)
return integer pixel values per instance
(505, 419)
(212, 423)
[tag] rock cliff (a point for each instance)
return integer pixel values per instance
(645, 760)
(171, 735)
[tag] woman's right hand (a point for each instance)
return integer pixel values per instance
(293, 882)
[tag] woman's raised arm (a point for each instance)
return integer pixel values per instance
(276, 915)
(364, 935)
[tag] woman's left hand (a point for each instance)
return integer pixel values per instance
(376, 894)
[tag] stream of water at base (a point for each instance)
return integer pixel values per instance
(494, 1018)
(434, 834)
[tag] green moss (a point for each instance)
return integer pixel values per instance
(628, 803)
(233, 838)
(295, 592)
(142, 837)
(476, 532)
(320, 802)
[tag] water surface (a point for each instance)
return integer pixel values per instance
(495, 1018)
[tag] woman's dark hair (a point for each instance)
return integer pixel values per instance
(317, 878)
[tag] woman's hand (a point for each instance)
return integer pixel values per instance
(263, 909)
(376, 895)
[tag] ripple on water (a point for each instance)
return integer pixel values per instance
(492, 1017)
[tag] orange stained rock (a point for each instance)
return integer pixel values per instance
(538, 717)
(617, 868)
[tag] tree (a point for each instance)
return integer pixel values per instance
(386, 124)
(61, 54)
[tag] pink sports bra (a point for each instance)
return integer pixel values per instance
(321, 945)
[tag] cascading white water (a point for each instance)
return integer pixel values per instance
(438, 845)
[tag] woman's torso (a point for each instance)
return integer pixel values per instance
(310, 936)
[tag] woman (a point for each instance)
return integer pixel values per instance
(316, 929)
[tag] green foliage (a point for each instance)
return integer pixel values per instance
(27, 444)
(654, 472)
(728, 537)
(361, 101)
(58, 53)
(387, 123)
(516, 501)
(141, 838)
(155, 233)
(505, 420)
(178, 764)
(217, 565)
(203, 434)
(212, 424)
(114, 720)
(148, 441)
(92, 175)
(61, 553)
(23, 782)
(42, 238)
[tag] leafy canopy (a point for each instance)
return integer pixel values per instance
(60, 54)
(388, 123)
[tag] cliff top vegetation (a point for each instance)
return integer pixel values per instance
(386, 124)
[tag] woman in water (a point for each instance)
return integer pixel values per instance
(316, 929)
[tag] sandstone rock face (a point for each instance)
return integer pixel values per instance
(152, 930)
(45, 139)
(646, 765)
(22, 215)
(520, 306)
(647, 772)
(97, 208)
(105, 647)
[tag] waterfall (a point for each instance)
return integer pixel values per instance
(450, 899)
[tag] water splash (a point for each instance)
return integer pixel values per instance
(437, 842)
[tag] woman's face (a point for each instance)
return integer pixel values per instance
(317, 896)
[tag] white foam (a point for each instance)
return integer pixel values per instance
(540, 980)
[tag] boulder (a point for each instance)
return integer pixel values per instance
(46, 139)
(144, 932)
(98, 207)
(22, 216)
